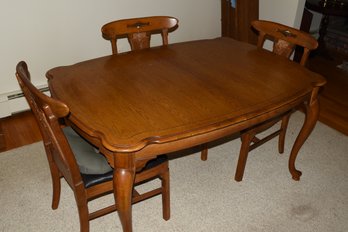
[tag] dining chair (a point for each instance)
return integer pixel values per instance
(138, 31)
(77, 161)
(285, 39)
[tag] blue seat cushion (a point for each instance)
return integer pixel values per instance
(89, 160)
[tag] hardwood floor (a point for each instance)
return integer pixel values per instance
(18, 130)
(21, 129)
(334, 96)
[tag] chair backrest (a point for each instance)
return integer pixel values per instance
(48, 112)
(138, 30)
(285, 38)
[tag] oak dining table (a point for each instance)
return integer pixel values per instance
(137, 105)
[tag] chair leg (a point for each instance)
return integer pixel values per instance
(246, 137)
(82, 207)
(165, 195)
(283, 128)
(204, 152)
(56, 186)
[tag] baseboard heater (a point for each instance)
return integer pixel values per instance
(15, 102)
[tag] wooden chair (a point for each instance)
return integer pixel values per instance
(138, 31)
(285, 39)
(70, 156)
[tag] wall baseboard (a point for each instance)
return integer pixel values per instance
(14, 102)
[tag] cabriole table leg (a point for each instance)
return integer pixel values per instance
(123, 186)
(312, 114)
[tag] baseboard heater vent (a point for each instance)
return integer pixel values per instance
(15, 102)
(21, 94)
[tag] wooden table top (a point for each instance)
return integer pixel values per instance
(169, 93)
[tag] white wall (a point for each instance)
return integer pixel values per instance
(287, 12)
(315, 25)
(49, 33)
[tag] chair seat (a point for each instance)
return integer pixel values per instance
(93, 166)
(89, 179)
(155, 162)
(89, 160)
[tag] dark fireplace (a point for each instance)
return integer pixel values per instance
(337, 34)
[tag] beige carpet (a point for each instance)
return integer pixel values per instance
(204, 196)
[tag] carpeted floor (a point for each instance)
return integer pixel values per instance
(204, 196)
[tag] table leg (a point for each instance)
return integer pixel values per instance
(312, 114)
(124, 174)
